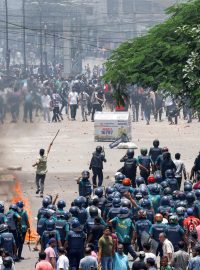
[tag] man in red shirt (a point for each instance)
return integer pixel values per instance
(43, 264)
(190, 223)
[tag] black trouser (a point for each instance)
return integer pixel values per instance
(28, 110)
(145, 175)
(128, 248)
(21, 243)
(179, 180)
(158, 113)
(73, 109)
(14, 112)
(97, 172)
(40, 178)
(55, 114)
(95, 108)
(74, 259)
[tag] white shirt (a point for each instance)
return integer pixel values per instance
(63, 263)
(167, 247)
(73, 98)
(180, 168)
(46, 101)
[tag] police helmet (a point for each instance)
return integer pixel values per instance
(130, 153)
(3, 228)
(49, 213)
(156, 143)
(187, 188)
(109, 190)
(158, 177)
(85, 174)
(67, 215)
(190, 212)
(93, 210)
(143, 151)
(119, 178)
(158, 218)
(187, 182)
(197, 193)
(61, 204)
(117, 194)
(124, 212)
(190, 197)
(126, 182)
(45, 202)
(126, 203)
(151, 179)
(75, 211)
(52, 207)
(136, 190)
(143, 190)
(165, 201)
(20, 204)
(139, 180)
(99, 149)
(182, 196)
(99, 192)
(13, 207)
(164, 184)
(146, 204)
(110, 197)
(175, 195)
(155, 189)
(78, 202)
(75, 224)
(173, 219)
(183, 204)
(116, 202)
(169, 173)
(167, 191)
(50, 225)
(180, 211)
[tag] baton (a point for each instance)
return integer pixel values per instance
(55, 136)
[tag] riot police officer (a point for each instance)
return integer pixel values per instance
(3, 218)
(75, 244)
(154, 153)
(96, 165)
(115, 209)
(49, 233)
(7, 241)
(85, 188)
(130, 166)
(102, 200)
(144, 163)
(174, 231)
(25, 226)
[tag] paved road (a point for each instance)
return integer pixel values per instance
(71, 154)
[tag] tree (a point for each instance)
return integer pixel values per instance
(167, 57)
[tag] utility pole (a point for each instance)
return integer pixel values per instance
(45, 48)
(41, 40)
(54, 45)
(7, 45)
(24, 35)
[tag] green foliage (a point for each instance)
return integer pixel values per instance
(168, 56)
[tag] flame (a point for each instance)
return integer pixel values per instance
(18, 196)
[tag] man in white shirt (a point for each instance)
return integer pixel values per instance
(63, 262)
(168, 249)
(73, 103)
(46, 100)
(180, 169)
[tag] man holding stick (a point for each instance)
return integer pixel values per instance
(41, 168)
